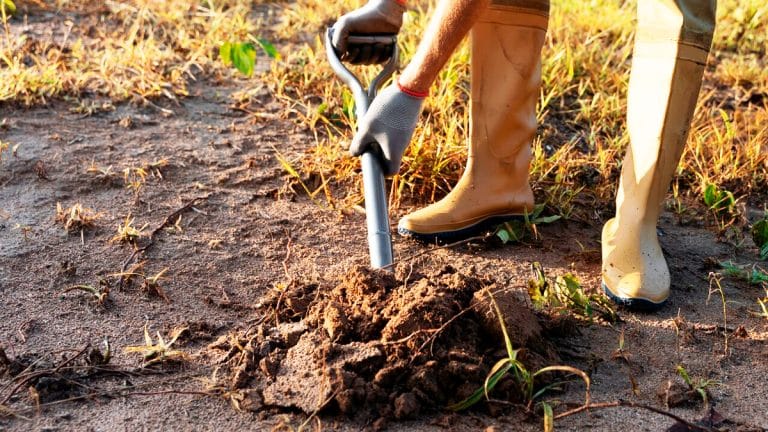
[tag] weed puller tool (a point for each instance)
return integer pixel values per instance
(376, 215)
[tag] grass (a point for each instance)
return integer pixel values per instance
(581, 110)
(77, 217)
(159, 351)
(136, 50)
(146, 51)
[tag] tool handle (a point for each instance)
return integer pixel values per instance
(372, 39)
(376, 214)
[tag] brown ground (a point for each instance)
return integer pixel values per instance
(340, 334)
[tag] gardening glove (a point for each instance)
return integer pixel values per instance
(387, 126)
(377, 17)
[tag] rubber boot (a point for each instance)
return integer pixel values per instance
(506, 47)
(670, 53)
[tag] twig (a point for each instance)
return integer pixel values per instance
(166, 392)
(629, 404)
(168, 220)
(26, 379)
(112, 392)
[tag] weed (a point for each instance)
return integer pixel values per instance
(699, 386)
(7, 7)
(135, 177)
(100, 295)
(750, 273)
(127, 232)
(716, 287)
(104, 174)
(516, 230)
(564, 294)
(25, 230)
(242, 55)
(622, 355)
(160, 351)
(151, 286)
(76, 217)
(759, 232)
(510, 365)
(763, 302)
(721, 205)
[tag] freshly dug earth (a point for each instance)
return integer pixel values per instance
(376, 345)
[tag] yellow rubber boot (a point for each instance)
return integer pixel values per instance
(671, 47)
(506, 76)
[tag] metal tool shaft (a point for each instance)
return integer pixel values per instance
(376, 214)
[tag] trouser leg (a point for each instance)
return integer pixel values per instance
(671, 47)
(506, 45)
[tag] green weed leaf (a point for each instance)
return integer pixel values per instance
(240, 55)
(718, 200)
(549, 417)
(760, 237)
(547, 219)
(684, 375)
(8, 7)
(268, 48)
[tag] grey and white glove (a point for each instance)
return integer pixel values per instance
(377, 17)
(387, 127)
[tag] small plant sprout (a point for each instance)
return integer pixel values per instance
(760, 236)
(242, 55)
(716, 287)
(564, 294)
(127, 232)
(516, 231)
(763, 302)
(99, 295)
(160, 351)
(699, 386)
(25, 230)
(100, 172)
(510, 365)
(134, 179)
(720, 201)
(750, 273)
(151, 286)
(721, 204)
(7, 7)
(76, 217)
(126, 277)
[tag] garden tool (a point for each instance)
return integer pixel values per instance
(384, 48)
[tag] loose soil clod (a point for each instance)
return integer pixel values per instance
(374, 345)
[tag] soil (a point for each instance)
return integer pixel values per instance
(276, 315)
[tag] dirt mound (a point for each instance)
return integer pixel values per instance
(377, 345)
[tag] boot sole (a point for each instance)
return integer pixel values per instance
(634, 304)
(445, 237)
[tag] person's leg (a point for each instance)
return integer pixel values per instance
(506, 76)
(671, 47)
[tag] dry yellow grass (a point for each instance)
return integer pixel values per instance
(581, 112)
(142, 50)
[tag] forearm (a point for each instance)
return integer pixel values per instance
(451, 21)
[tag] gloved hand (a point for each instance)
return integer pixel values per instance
(376, 17)
(387, 127)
